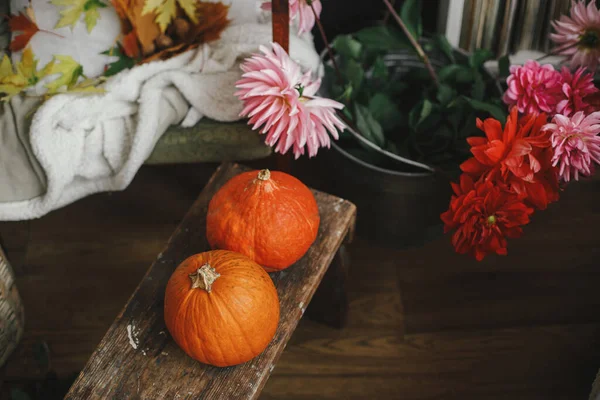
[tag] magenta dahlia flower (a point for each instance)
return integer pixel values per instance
(576, 87)
(302, 10)
(576, 144)
(533, 88)
(577, 35)
(279, 99)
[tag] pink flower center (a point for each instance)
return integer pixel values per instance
(491, 220)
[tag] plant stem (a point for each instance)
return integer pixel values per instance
(414, 42)
(327, 46)
(552, 53)
(386, 17)
(52, 33)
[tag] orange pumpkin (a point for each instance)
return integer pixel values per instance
(271, 217)
(221, 308)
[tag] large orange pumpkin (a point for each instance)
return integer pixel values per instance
(271, 217)
(221, 308)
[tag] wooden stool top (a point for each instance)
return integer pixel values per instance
(137, 357)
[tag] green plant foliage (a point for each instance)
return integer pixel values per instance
(411, 15)
(402, 110)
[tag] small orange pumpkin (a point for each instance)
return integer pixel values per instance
(221, 308)
(271, 217)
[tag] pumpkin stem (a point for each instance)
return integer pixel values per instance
(264, 174)
(204, 277)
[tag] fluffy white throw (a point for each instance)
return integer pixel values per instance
(89, 144)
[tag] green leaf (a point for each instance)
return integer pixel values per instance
(456, 113)
(381, 38)
(448, 73)
(354, 74)
(445, 46)
(504, 66)
(425, 111)
(396, 87)
(385, 111)
(411, 15)
(368, 126)
(495, 111)
(419, 113)
(347, 46)
(456, 73)
(346, 95)
(413, 116)
(380, 70)
(93, 4)
(464, 75)
(123, 62)
(480, 56)
(478, 89)
(445, 94)
(346, 111)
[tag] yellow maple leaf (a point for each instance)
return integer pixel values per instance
(28, 66)
(89, 86)
(73, 9)
(6, 67)
(15, 80)
(166, 10)
(189, 7)
(91, 18)
(69, 71)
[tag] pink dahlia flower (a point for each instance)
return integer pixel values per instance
(301, 9)
(577, 35)
(576, 144)
(280, 99)
(533, 88)
(575, 88)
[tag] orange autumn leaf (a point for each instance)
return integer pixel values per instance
(130, 45)
(132, 20)
(212, 20)
(21, 23)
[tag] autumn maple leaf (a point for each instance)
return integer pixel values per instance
(73, 9)
(65, 71)
(15, 79)
(22, 23)
(166, 10)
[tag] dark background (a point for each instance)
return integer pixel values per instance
(346, 16)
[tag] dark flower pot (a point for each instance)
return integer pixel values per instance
(397, 208)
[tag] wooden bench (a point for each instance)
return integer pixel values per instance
(137, 359)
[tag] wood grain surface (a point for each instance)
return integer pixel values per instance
(424, 323)
(137, 357)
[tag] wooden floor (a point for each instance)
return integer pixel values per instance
(424, 323)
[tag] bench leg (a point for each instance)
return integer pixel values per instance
(329, 304)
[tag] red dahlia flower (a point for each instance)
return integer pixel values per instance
(484, 215)
(520, 156)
